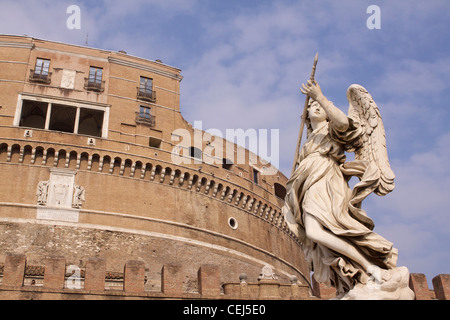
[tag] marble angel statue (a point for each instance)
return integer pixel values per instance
(320, 207)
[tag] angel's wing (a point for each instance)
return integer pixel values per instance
(373, 147)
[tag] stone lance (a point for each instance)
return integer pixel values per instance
(305, 108)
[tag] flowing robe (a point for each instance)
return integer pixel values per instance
(319, 187)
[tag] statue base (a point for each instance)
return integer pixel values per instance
(396, 288)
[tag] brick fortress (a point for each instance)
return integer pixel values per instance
(90, 193)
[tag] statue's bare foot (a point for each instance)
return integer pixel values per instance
(380, 275)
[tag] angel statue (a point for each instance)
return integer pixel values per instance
(324, 212)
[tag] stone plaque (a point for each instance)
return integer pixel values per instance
(68, 215)
(68, 79)
(59, 197)
(60, 188)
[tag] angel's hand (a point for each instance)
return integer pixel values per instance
(312, 89)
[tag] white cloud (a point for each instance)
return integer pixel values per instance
(45, 19)
(415, 215)
(426, 175)
(413, 78)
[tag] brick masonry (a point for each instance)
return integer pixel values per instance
(172, 284)
(134, 276)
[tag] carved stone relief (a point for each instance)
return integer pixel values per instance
(68, 79)
(59, 197)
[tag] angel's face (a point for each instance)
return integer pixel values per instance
(316, 113)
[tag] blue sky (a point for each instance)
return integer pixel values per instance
(244, 61)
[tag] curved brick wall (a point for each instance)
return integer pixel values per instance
(115, 195)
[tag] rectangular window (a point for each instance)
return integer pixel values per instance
(94, 82)
(145, 116)
(155, 142)
(90, 122)
(95, 75)
(41, 71)
(146, 85)
(33, 114)
(145, 112)
(255, 176)
(42, 66)
(145, 90)
(195, 153)
(62, 117)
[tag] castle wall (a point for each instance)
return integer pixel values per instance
(85, 173)
(54, 279)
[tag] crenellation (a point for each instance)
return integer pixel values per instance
(55, 269)
(418, 283)
(14, 270)
(95, 274)
(16, 276)
(441, 285)
(134, 276)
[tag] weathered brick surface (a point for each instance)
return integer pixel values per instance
(418, 284)
(134, 276)
(95, 274)
(55, 269)
(209, 280)
(14, 270)
(441, 284)
(322, 291)
(173, 283)
(172, 277)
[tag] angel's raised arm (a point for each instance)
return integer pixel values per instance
(336, 116)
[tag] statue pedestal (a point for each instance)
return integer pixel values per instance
(396, 288)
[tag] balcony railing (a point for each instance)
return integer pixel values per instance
(98, 86)
(40, 77)
(146, 95)
(145, 118)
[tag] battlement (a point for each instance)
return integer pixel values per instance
(417, 282)
(56, 280)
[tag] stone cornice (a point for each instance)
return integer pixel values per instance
(14, 44)
(144, 67)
